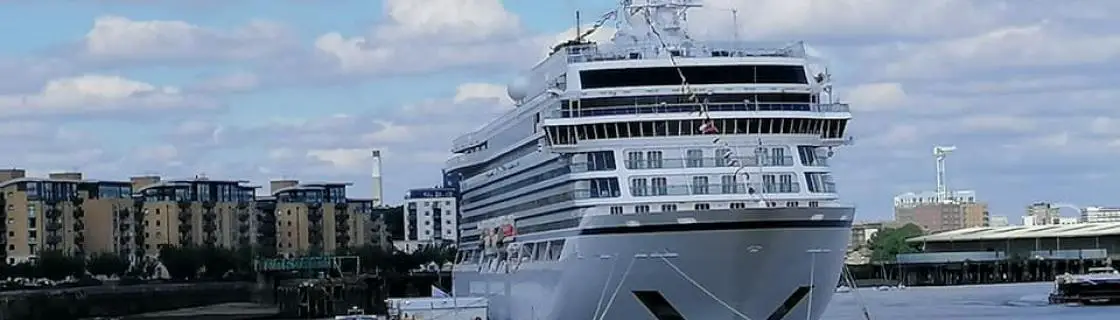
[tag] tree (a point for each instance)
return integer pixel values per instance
(107, 264)
(394, 220)
(182, 263)
(56, 265)
(889, 242)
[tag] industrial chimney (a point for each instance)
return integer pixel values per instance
(376, 175)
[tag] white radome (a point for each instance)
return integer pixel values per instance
(518, 89)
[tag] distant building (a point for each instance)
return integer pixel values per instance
(961, 209)
(862, 233)
(198, 211)
(1100, 214)
(65, 213)
(1041, 213)
(998, 221)
(431, 215)
(319, 218)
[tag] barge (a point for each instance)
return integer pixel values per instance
(1101, 285)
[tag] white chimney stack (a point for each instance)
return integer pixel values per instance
(376, 175)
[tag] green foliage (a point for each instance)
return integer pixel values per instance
(207, 262)
(107, 264)
(182, 263)
(889, 242)
(394, 220)
(53, 265)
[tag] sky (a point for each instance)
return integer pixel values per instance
(304, 89)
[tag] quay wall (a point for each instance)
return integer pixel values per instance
(116, 301)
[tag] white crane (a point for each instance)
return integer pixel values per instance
(939, 153)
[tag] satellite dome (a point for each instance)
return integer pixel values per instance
(518, 89)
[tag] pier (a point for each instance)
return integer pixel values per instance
(1001, 255)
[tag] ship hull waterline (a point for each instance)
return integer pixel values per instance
(752, 268)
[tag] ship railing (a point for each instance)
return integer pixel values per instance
(567, 112)
(716, 189)
(710, 162)
(696, 49)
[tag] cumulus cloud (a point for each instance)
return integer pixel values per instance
(1021, 87)
(98, 94)
(119, 38)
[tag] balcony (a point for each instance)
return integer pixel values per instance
(710, 162)
(657, 108)
(716, 189)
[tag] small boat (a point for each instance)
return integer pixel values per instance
(356, 313)
(1101, 285)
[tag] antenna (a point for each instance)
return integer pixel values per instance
(939, 154)
(579, 34)
(735, 22)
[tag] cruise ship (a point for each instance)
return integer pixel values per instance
(654, 176)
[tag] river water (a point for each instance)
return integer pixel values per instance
(986, 302)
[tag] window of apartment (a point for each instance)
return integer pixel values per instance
(702, 206)
(668, 207)
(641, 209)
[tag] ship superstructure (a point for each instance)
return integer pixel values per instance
(656, 174)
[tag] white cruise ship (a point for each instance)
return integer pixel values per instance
(614, 190)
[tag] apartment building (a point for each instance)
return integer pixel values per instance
(317, 218)
(960, 209)
(197, 211)
(63, 212)
(431, 215)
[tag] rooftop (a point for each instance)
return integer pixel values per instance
(34, 179)
(1024, 232)
(188, 182)
(312, 186)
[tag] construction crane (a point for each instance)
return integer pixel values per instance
(939, 153)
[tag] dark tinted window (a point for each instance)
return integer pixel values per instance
(667, 76)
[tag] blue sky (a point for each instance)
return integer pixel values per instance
(303, 89)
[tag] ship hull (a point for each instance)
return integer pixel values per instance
(727, 264)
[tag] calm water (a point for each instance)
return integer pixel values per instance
(988, 302)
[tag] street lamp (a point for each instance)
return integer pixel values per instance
(813, 277)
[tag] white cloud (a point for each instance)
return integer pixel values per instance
(1004, 123)
(98, 93)
(120, 38)
(456, 20)
(1041, 44)
(876, 96)
(785, 18)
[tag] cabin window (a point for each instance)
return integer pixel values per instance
(555, 248)
(698, 75)
(668, 207)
